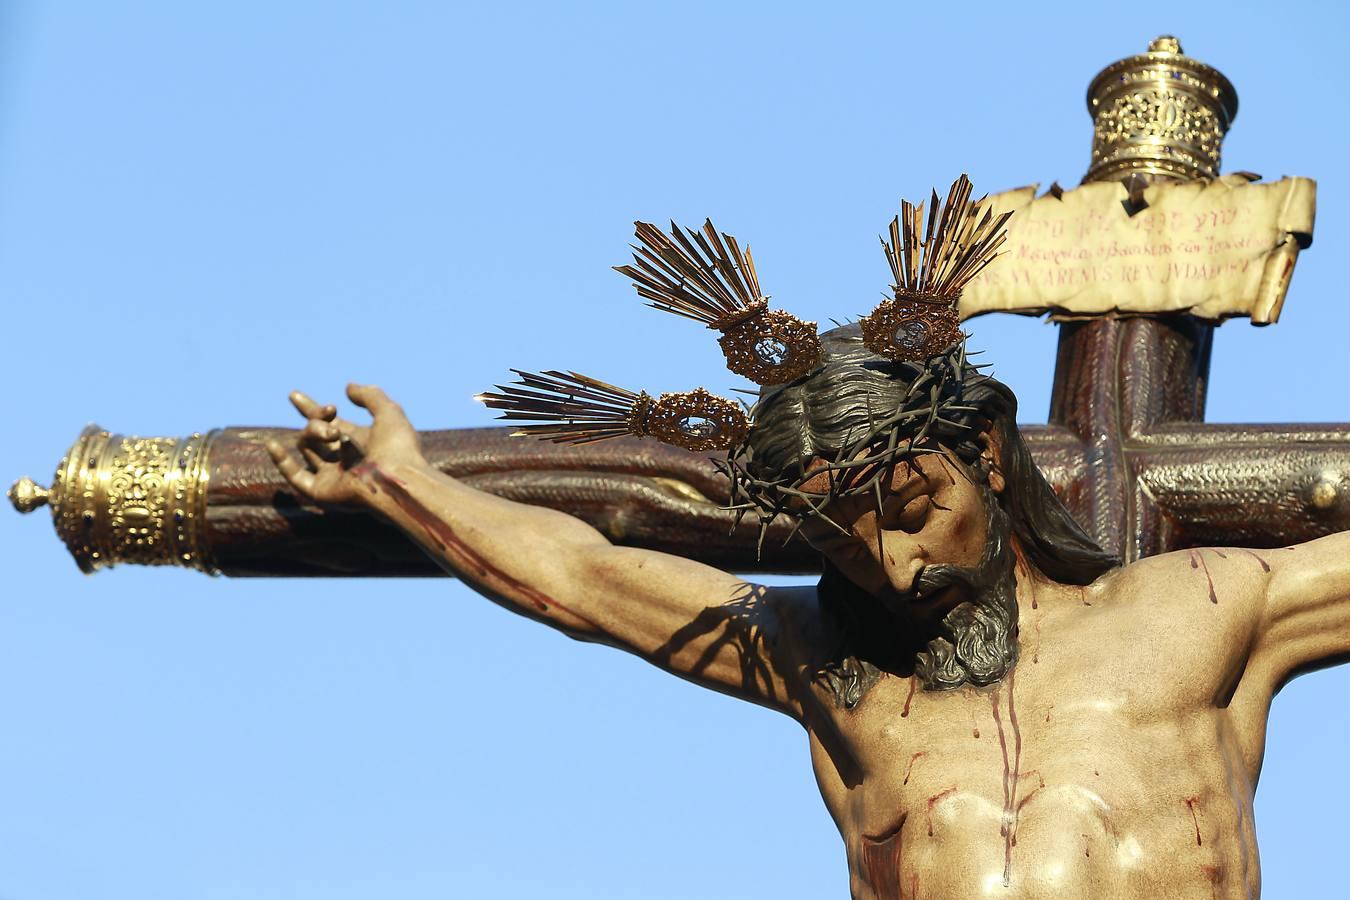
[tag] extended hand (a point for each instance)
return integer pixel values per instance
(332, 449)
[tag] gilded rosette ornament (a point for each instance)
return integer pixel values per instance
(118, 499)
(911, 327)
(931, 261)
(698, 421)
(571, 408)
(1159, 113)
(704, 275)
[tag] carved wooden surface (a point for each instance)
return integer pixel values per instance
(1193, 484)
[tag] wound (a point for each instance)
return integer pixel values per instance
(1011, 774)
(443, 537)
(934, 801)
(910, 768)
(882, 856)
(1265, 566)
(1198, 562)
(1191, 803)
(909, 698)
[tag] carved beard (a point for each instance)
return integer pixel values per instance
(976, 641)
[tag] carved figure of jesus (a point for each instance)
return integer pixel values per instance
(995, 706)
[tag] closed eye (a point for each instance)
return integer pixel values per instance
(832, 542)
(910, 517)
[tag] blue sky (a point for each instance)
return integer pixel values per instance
(204, 206)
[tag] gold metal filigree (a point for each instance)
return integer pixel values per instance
(567, 407)
(931, 261)
(911, 327)
(770, 347)
(128, 499)
(705, 276)
(697, 420)
(1159, 113)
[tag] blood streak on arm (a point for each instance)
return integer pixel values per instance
(443, 538)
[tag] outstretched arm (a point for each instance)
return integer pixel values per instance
(1307, 611)
(691, 619)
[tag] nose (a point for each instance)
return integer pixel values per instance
(901, 556)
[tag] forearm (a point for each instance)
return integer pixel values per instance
(525, 557)
(693, 619)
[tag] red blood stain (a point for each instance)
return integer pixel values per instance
(1198, 562)
(1011, 771)
(1212, 873)
(1265, 566)
(1087, 850)
(1025, 570)
(934, 801)
(882, 860)
(910, 768)
(443, 537)
(913, 683)
(1191, 804)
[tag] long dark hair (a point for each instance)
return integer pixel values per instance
(831, 412)
(824, 413)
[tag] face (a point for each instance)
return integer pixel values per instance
(931, 513)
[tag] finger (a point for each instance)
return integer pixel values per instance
(321, 431)
(328, 412)
(372, 398)
(312, 456)
(352, 447)
(290, 467)
(308, 407)
(325, 451)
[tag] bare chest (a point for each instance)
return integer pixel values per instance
(1053, 783)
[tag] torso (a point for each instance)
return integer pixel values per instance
(1119, 759)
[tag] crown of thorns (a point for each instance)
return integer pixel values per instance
(704, 275)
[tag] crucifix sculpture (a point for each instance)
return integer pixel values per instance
(1017, 591)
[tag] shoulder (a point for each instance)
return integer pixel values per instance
(1231, 578)
(795, 609)
(802, 628)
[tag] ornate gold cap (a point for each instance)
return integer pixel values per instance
(127, 499)
(1159, 113)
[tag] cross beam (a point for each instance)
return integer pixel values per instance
(1126, 446)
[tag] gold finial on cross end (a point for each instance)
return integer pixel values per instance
(1159, 114)
(27, 495)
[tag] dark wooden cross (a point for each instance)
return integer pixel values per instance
(1126, 445)
(1126, 448)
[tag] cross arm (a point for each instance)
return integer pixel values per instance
(1256, 486)
(1240, 485)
